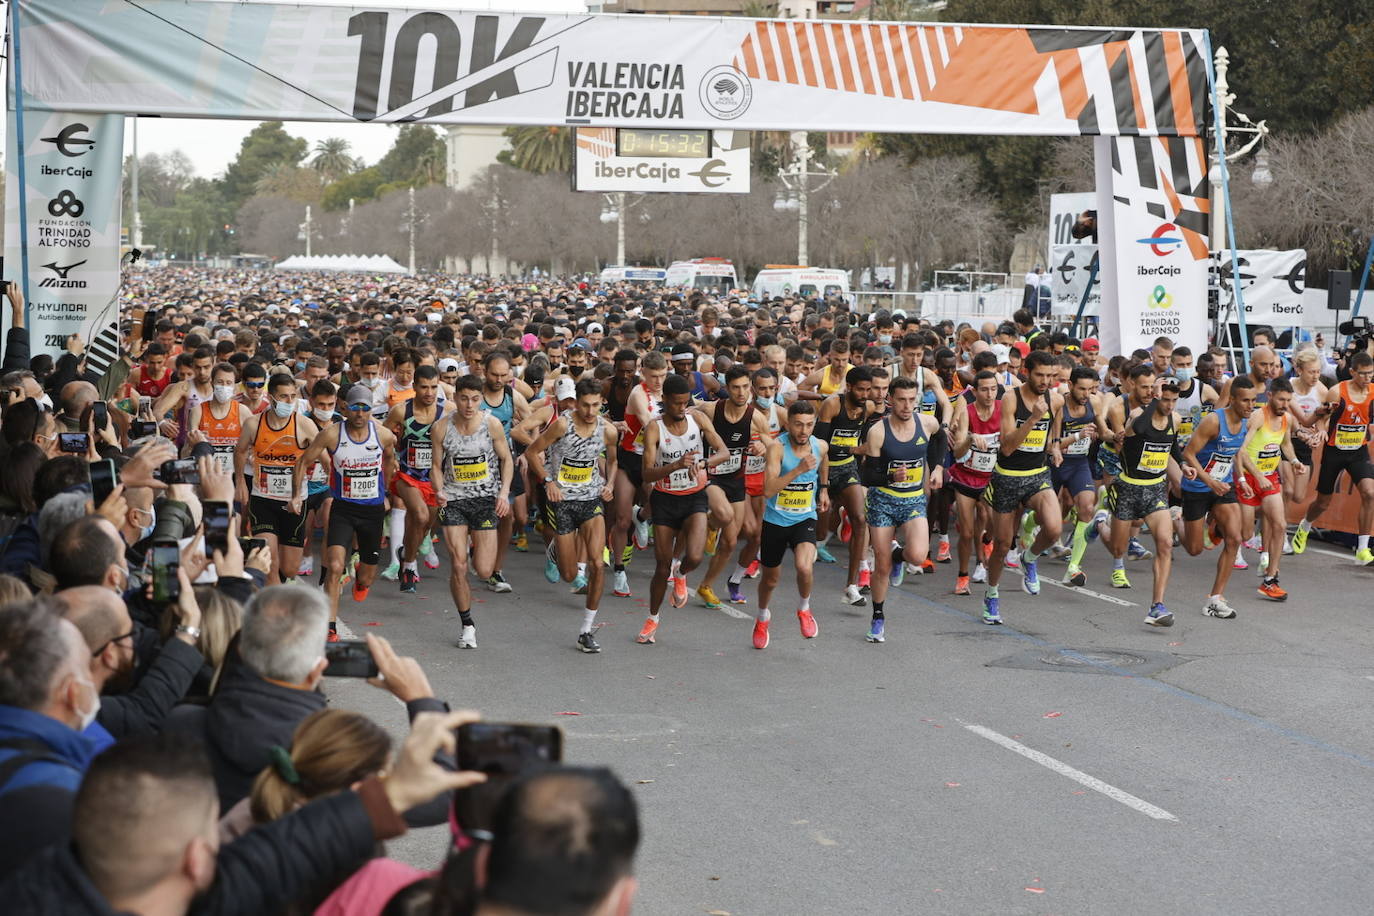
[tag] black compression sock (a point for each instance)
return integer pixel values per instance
(333, 626)
(877, 610)
(620, 567)
(466, 617)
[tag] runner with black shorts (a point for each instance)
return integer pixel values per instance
(1020, 479)
(793, 493)
(567, 456)
(842, 417)
(323, 403)
(765, 385)
(640, 411)
(475, 467)
(973, 441)
(411, 422)
(675, 464)
(742, 429)
(275, 438)
(616, 391)
(362, 456)
(1083, 423)
(510, 408)
(1347, 451)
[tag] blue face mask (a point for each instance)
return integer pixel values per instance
(1184, 376)
(283, 409)
(147, 530)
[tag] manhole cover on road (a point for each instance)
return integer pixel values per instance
(1136, 662)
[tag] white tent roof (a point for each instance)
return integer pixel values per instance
(371, 263)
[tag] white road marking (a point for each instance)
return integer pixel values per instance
(344, 631)
(1330, 552)
(732, 611)
(1110, 599)
(1078, 776)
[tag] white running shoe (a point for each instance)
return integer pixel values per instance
(621, 585)
(307, 567)
(980, 573)
(1287, 546)
(469, 638)
(1217, 607)
(852, 596)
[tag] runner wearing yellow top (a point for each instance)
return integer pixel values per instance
(1269, 442)
(829, 379)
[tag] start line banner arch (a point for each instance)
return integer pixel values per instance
(1142, 92)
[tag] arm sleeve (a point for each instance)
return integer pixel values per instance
(435, 811)
(939, 444)
(142, 710)
(17, 353)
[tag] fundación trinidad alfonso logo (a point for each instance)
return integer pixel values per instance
(1159, 298)
(726, 92)
(1164, 241)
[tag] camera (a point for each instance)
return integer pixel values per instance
(1359, 332)
(174, 522)
(138, 429)
(503, 751)
(179, 470)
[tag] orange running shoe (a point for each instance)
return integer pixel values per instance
(986, 551)
(961, 586)
(846, 529)
(927, 566)
(1271, 590)
(942, 555)
(359, 594)
(808, 624)
(333, 635)
(760, 634)
(865, 578)
(646, 635)
(679, 591)
(752, 572)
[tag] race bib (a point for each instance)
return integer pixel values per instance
(1035, 439)
(470, 469)
(906, 475)
(1267, 461)
(796, 497)
(1350, 436)
(360, 485)
(574, 472)
(929, 409)
(1219, 467)
(1154, 458)
(1186, 426)
(681, 479)
(1080, 447)
(729, 465)
(754, 464)
(981, 461)
(274, 481)
(224, 459)
(420, 457)
(845, 440)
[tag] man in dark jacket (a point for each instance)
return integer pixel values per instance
(267, 688)
(146, 837)
(47, 699)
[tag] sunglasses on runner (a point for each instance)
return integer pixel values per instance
(254, 384)
(359, 406)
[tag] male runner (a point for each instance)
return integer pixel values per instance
(220, 420)
(276, 439)
(1347, 450)
(411, 423)
(1213, 452)
(641, 410)
(1020, 479)
(742, 428)
(1137, 392)
(794, 473)
(830, 378)
(844, 414)
(675, 464)
(973, 436)
(577, 489)
(1084, 422)
(766, 394)
(1270, 440)
(898, 449)
(323, 410)
(1147, 443)
(362, 456)
(181, 397)
(472, 494)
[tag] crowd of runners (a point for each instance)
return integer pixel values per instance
(702, 435)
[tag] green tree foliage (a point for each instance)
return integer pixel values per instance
(362, 185)
(413, 156)
(267, 145)
(332, 159)
(539, 149)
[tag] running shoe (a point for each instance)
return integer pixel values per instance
(1270, 589)
(392, 572)
(1159, 616)
(359, 594)
(1099, 518)
(333, 635)
(431, 558)
(587, 643)
(641, 533)
(1119, 579)
(760, 634)
(991, 615)
(865, 580)
(605, 556)
(551, 572)
(808, 624)
(646, 635)
(468, 638)
(521, 542)
(708, 598)
(961, 586)
(736, 595)
(752, 571)
(1300, 540)
(980, 574)
(1263, 563)
(679, 584)
(898, 575)
(1057, 552)
(1012, 561)
(852, 596)
(1239, 562)
(928, 566)
(498, 583)
(1074, 576)
(1365, 556)
(1287, 546)
(1030, 572)
(942, 554)
(712, 537)
(822, 554)
(620, 584)
(352, 571)
(307, 567)
(409, 580)
(1217, 607)
(1254, 543)
(875, 631)
(1138, 551)
(579, 584)
(985, 550)
(846, 529)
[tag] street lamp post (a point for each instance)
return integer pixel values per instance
(410, 218)
(1260, 176)
(796, 178)
(614, 208)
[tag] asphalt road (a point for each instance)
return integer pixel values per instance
(1072, 761)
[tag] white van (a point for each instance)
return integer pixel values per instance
(637, 276)
(805, 282)
(707, 274)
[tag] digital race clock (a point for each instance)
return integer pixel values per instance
(665, 144)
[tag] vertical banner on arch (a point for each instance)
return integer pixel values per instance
(73, 167)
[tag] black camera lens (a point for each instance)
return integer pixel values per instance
(173, 522)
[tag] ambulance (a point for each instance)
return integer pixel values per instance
(715, 275)
(804, 282)
(635, 276)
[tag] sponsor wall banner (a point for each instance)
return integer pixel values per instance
(196, 58)
(73, 168)
(1069, 267)
(1064, 211)
(1273, 283)
(704, 161)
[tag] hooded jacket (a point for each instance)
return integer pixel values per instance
(38, 794)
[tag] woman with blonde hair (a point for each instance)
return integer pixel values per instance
(221, 618)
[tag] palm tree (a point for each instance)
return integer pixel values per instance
(332, 160)
(541, 149)
(432, 161)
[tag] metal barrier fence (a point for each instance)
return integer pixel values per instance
(937, 305)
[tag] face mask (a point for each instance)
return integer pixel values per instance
(283, 409)
(763, 402)
(324, 416)
(147, 530)
(300, 365)
(46, 402)
(1184, 376)
(223, 393)
(884, 339)
(89, 716)
(372, 382)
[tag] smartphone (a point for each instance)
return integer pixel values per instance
(101, 414)
(503, 751)
(349, 658)
(179, 470)
(165, 560)
(141, 428)
(103, 480)
(216, 517)
(149, 324)
(76, 443)
(145, 403)
(249, 545)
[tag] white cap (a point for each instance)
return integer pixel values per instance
(595, 328)
(294, 310)
(448, 364)
(1002, 351)
(434, 317)
(565, 390)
